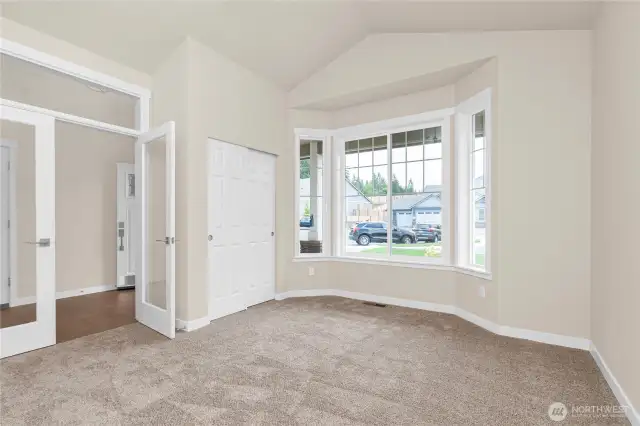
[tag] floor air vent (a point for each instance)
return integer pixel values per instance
(379, 305)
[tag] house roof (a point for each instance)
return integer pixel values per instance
(407, 202)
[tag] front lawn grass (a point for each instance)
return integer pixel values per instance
(403, 249)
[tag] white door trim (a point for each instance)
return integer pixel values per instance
(42, 332)
(160, 320)
(125, 224)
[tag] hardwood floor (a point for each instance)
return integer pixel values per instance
(81, 315)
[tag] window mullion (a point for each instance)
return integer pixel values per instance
(389, 192)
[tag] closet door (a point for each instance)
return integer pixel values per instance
(241, 203)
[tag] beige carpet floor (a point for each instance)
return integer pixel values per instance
(312, 361)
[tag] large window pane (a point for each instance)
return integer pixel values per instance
(365, 198)
(416, 195)
(310, 197)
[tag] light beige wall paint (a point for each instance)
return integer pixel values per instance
(229, 103)
(542, 153)
(169, 102)
(85, 173)
(30, 37)
(24, 82)
(615, 317)
(400, 106)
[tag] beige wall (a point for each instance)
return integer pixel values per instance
(36, 40)
(170, 103)
(615, 322)
(541, 161)
(225, 101)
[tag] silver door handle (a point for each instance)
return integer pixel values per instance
(165, 240)
(42, 242)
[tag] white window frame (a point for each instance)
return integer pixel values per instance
(464, 214)
(143, 95)
(439, 118)
(323, 135)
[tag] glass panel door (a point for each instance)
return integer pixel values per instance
(27, 185)
(155, 194)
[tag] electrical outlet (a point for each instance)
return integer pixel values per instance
(482, 292)
(312, 271)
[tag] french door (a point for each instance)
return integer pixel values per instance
(31, 228)
(241, 221)
(155, 251)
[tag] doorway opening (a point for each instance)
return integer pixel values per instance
(74, 260)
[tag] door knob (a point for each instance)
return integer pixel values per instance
(165, 240)
(42, 242)
(210, 237)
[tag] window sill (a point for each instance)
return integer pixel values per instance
(404, 264)
(313, 258)
(478, 273)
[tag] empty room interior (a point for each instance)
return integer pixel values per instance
(319, 213)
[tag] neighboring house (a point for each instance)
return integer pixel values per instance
(419, 208)
(409, 210)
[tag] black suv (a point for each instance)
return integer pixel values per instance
(364, 233)
(428, 233)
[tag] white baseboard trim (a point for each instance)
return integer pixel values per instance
(64, 294)
(84, 291)
(632, 413)
(503, 330)
(192, 325)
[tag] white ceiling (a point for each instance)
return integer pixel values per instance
(285, 42)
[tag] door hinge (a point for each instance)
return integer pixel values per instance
(9, 279)
(8, 165)
(9, 223)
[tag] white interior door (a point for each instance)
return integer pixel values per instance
(156, 255)
(241, 209)
(125, 224)
(32, 230)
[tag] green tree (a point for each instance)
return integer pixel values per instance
(409, 189)
(305, 172)
(396, 187)
(307, 210)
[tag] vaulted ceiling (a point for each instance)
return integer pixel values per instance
(285, 42)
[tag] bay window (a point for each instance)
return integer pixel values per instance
(381, 192)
